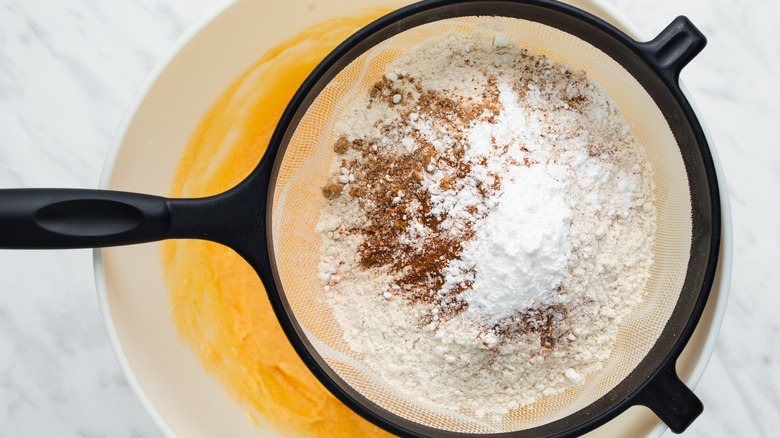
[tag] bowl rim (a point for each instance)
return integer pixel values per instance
(610, 14)
(105, 178)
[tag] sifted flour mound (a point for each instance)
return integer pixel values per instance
(489, 223)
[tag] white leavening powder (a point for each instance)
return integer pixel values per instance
(526, 240)
(489, 222)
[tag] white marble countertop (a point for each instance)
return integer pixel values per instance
(68, 71)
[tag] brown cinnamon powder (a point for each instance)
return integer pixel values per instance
(389, 189)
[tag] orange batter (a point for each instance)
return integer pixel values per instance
(218, 304)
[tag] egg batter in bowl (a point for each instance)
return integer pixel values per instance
(207, 345)
(218, 304)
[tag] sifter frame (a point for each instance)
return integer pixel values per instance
(656, 65)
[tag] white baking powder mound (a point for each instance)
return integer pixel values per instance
(526, 240)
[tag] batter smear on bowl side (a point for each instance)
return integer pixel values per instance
(489, 221)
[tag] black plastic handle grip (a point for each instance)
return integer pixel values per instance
(84, 218)
(674, 47)
(79, 218)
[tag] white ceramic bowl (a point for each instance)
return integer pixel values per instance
(182, 399)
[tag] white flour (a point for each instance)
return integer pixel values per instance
(489, 224)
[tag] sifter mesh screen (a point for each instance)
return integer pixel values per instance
(297, 200)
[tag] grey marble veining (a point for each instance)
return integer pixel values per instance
(68, 70)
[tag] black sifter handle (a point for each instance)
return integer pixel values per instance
(674, 48)
(670, 399)
(84, 218)
(79, 218)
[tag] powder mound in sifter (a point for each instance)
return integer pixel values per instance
(488, 222)
(525, 244)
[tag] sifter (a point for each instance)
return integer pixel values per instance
(256, 217)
